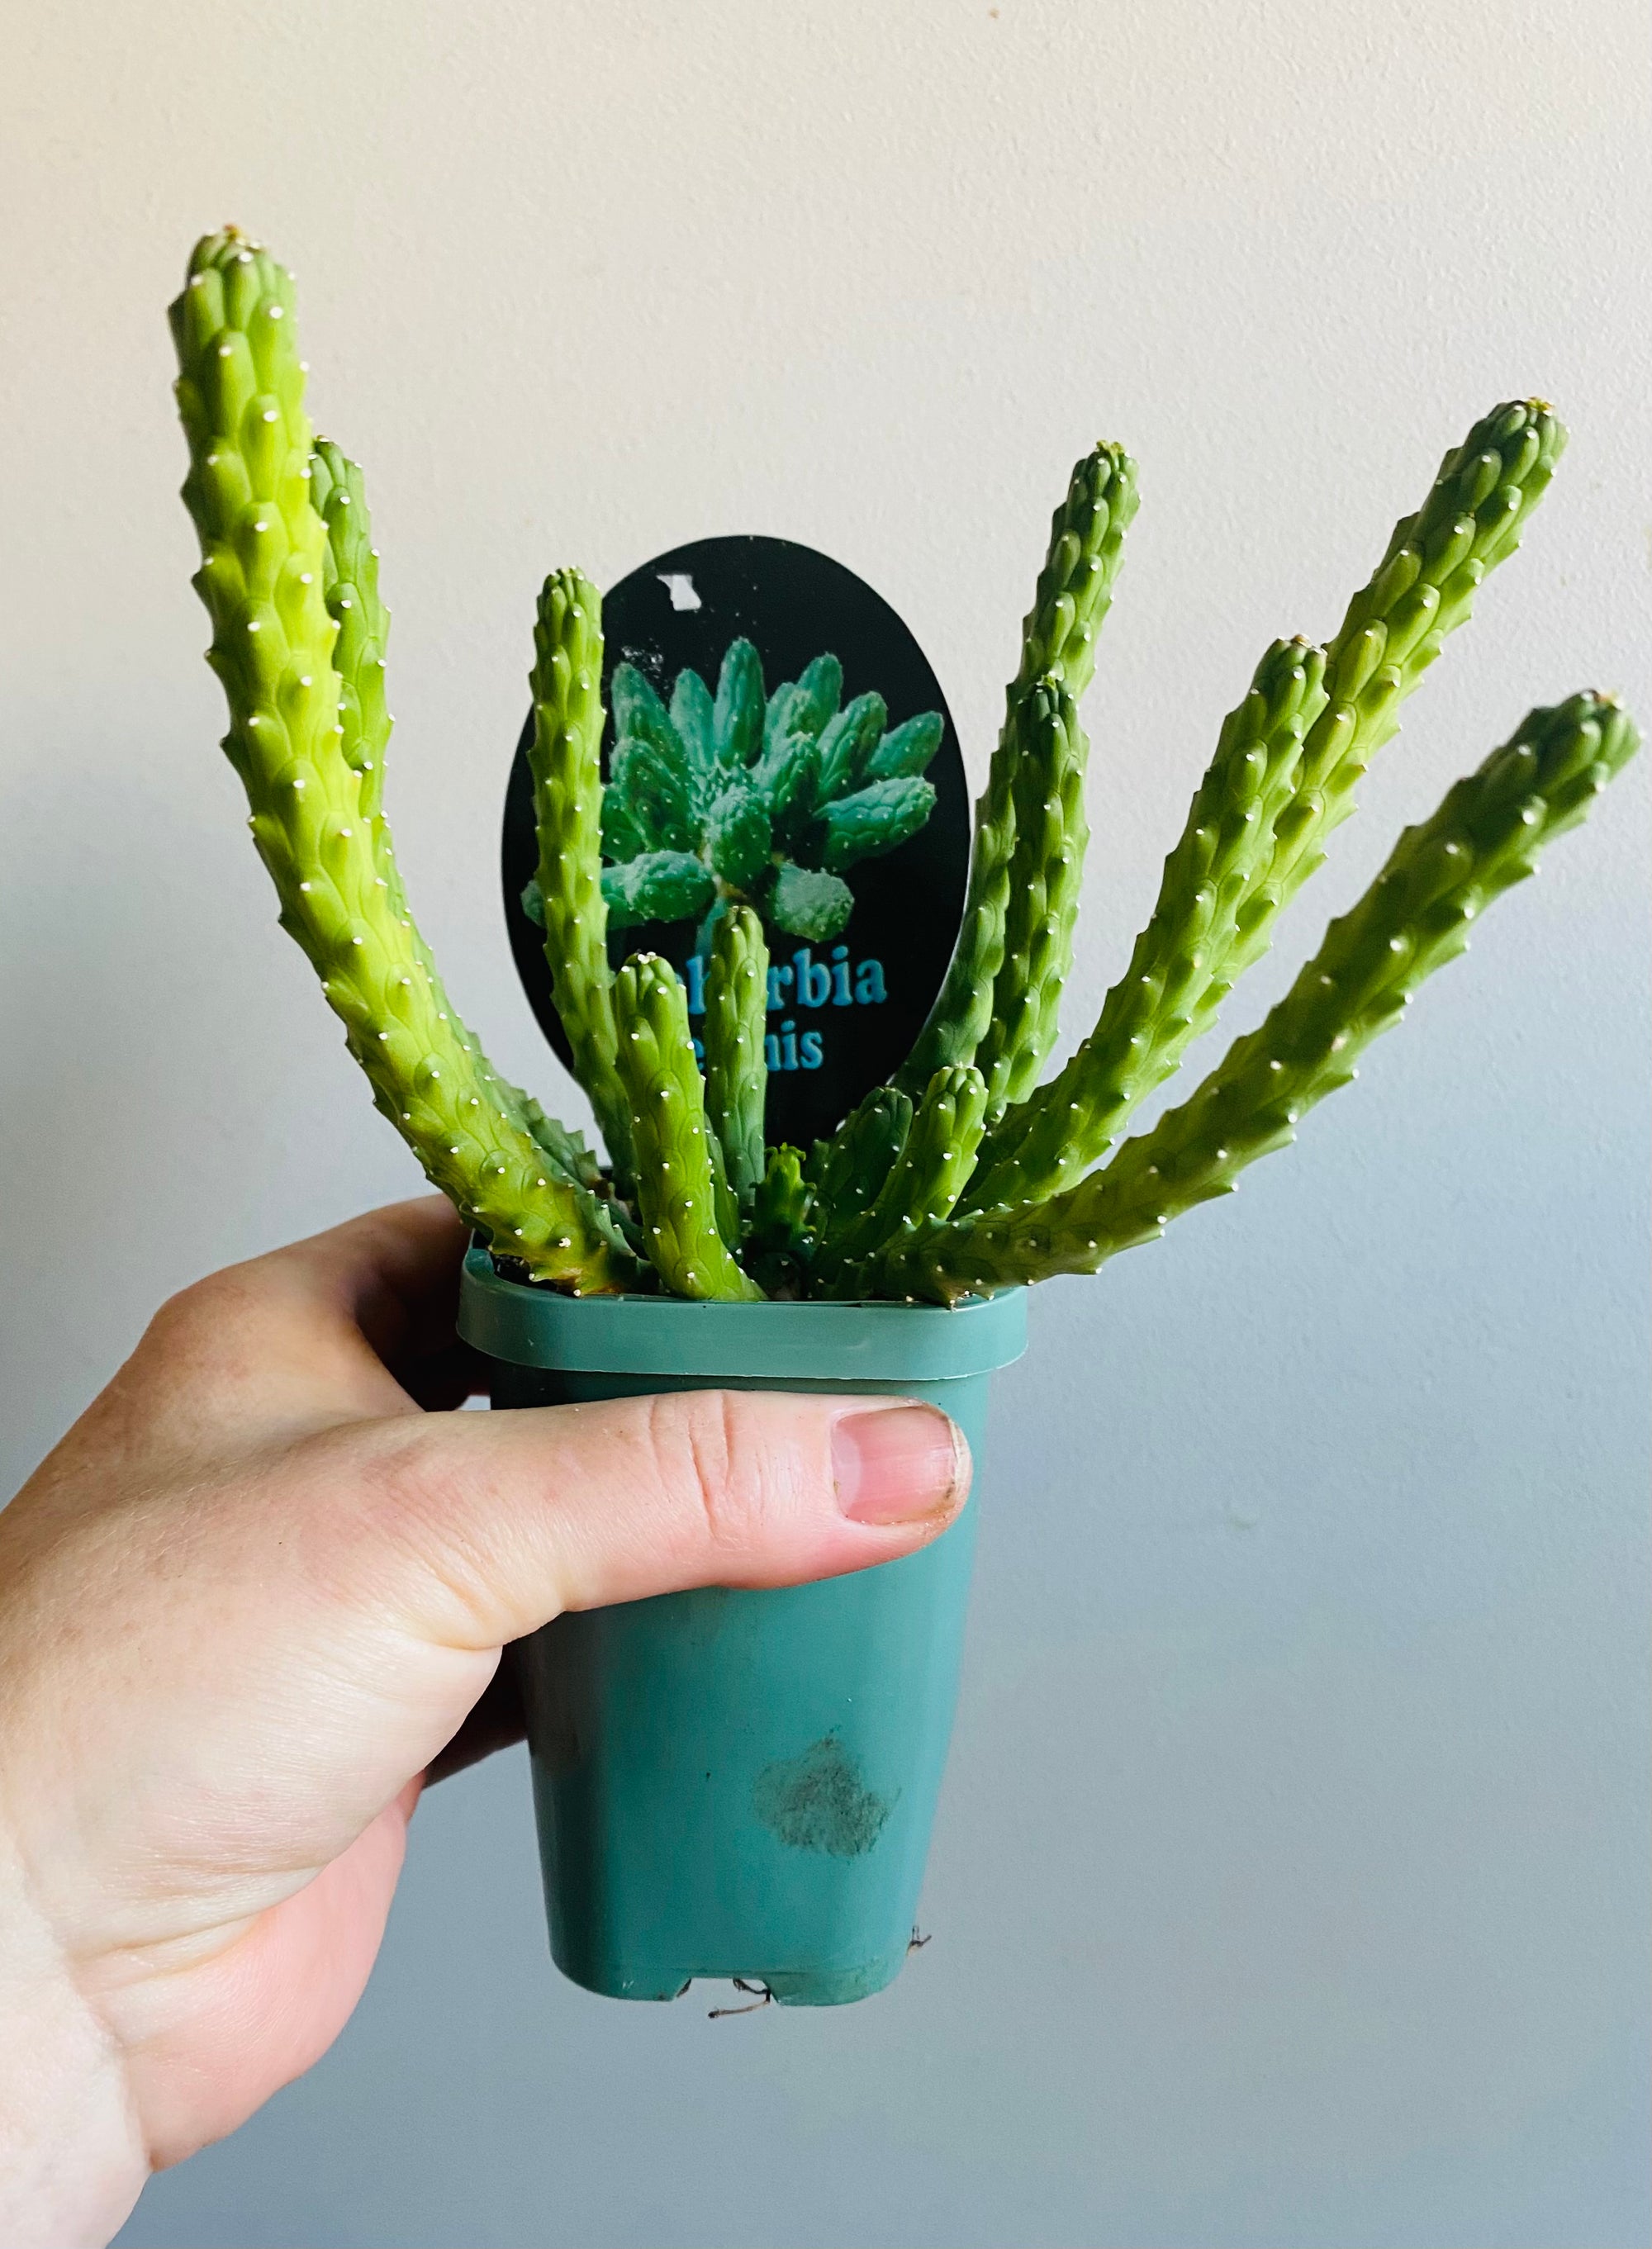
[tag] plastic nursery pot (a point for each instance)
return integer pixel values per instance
(731, 1782)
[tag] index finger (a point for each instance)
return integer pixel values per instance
(314, 1333)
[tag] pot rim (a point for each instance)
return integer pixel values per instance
(816, 1341)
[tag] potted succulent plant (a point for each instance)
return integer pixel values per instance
(742, 1783)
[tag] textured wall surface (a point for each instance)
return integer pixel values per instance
(1289, 1887)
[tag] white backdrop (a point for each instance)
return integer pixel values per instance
(1288, 1886)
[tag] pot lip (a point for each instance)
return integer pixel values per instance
(669, 1335)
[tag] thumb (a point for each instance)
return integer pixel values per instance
(278, 1656)
(474, 1529)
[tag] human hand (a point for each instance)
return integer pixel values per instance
(247, 1608)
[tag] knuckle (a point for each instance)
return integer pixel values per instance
(394, 1523)
(197, 1321)
(705, 1451)
(194, 1349)
(184, 1315)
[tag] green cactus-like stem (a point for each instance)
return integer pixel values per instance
(1046, 870)
(922, 1186)
(1423, 588)
(1483, 839)
(780, 1242)
(565, 757)
(1209, 922)
(736, 1072)
(724, 1202)
(566, 1149)
(783, 1200)
(355, 604)
(1074, 594)
(848, 1172)
(1396, 625)
(675, 1183)
(263, 581)
(957, 1021)
(939, 1150)
(1075, 586)
(338, 496)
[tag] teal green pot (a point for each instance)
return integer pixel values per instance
(736, 1783)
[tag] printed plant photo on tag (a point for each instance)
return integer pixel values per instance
(775, 739)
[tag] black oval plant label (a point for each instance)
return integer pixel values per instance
(776, 738)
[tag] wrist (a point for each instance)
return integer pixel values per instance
(71, 2158)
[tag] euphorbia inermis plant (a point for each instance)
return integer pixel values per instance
(965, 1173)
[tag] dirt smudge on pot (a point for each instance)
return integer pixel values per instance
(819, 1801)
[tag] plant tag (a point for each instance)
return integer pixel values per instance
(776, 738)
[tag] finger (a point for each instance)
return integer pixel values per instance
(476, 1529)
(311, 1334)
(393, 1272)
(389, 1278)
(208, 2044)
